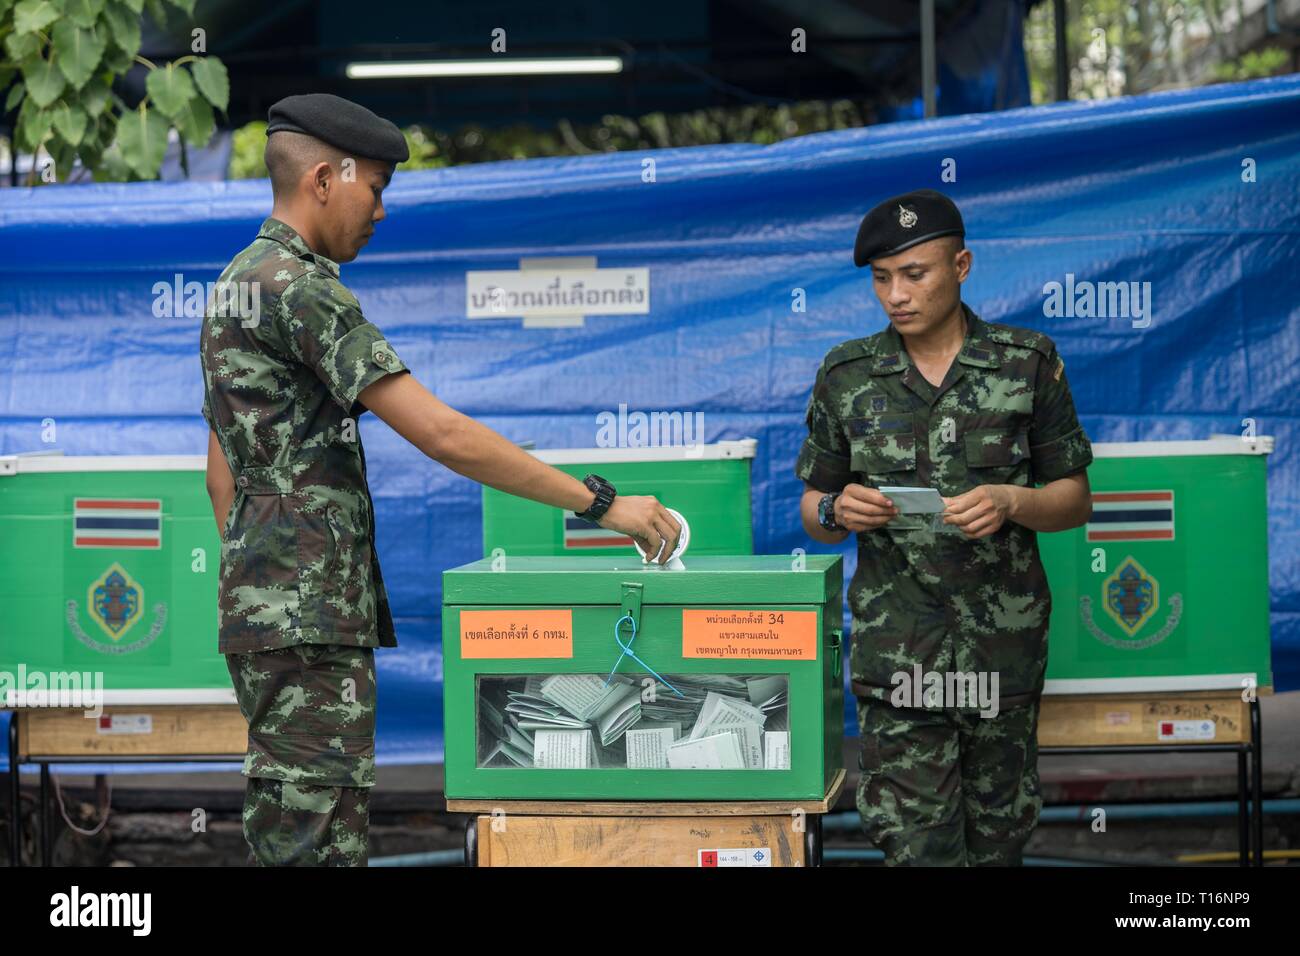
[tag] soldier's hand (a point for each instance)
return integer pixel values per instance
(860, 508)
(647, 521)
(979, 512)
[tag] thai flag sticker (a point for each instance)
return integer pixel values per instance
(1131, 516)
(581, 533)
(117, 523)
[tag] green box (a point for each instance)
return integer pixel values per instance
(1166, 588)
(764, 621)
(708, 484)
(154, 635)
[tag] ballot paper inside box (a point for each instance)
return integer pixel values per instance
(602, 678)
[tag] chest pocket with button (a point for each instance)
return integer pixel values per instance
(998, 456)
(883, 447)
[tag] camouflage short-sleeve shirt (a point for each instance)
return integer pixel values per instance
(285, 352)
(1002, 415)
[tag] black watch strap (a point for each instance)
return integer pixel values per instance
(605, 493)
(826, 513)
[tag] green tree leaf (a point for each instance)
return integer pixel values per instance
(22, 46)
(70, 122)
(186, 5)
(44, 81)
(157, 13)
(142, 138)
(33, 122)
(136, 5)
(15, 97)
(97, 141)
(116, 60)
(196, 122)
(124, 26)
(33, 15)
(213, 81)
(90, 152)
(83, 13)
(247, 151)
(94, 98)
(170, 89)
(112, 167)
(78, 52)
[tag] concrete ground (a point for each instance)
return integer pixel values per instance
(152, 814)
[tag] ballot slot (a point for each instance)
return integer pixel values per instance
(689, 721)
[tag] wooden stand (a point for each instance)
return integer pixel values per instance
(1162, 723)
(181, 733)
(678, 833)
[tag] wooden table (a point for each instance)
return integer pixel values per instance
(1163, 722)
(134, 733)
(663, 833)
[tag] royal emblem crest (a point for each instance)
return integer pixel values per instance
(115, 600)
(906, 218)
(1131, 595)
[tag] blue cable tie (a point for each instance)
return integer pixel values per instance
(628, 652)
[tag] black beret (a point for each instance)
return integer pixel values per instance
(341, 123)
(904, 221)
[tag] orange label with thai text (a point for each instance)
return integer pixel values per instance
(530, 633)
(755, 635)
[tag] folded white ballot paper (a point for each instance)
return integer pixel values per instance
(715, 752)
(919, 501)
(584, 696)
(776, 750)
(564, 750)
(913, 501)
(647, 747)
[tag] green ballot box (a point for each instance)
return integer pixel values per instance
(581, 677)
(708, 484)
(1166, 587)
(108, 567)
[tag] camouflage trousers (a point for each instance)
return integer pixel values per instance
(948, 788)
(311, 752)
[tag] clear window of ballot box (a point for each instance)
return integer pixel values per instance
(637, 722)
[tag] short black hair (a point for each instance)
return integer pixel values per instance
(288, 155)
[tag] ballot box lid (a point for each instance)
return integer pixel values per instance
(588, 579)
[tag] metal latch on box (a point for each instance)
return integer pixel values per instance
(630, 610)
(632, 603)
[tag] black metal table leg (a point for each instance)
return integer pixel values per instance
(812, 840)
(471, 840)
(1257, 775)
(1243, 811)
(15, 796)
(45, 814)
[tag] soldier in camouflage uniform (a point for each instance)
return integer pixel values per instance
(289, 366)
(982, 412)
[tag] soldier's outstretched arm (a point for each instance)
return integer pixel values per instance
(220, 482)
(472, 449)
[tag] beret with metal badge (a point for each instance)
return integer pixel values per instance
(341, 123)
(905, 221)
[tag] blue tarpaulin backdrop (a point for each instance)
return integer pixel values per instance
(1148, 189)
